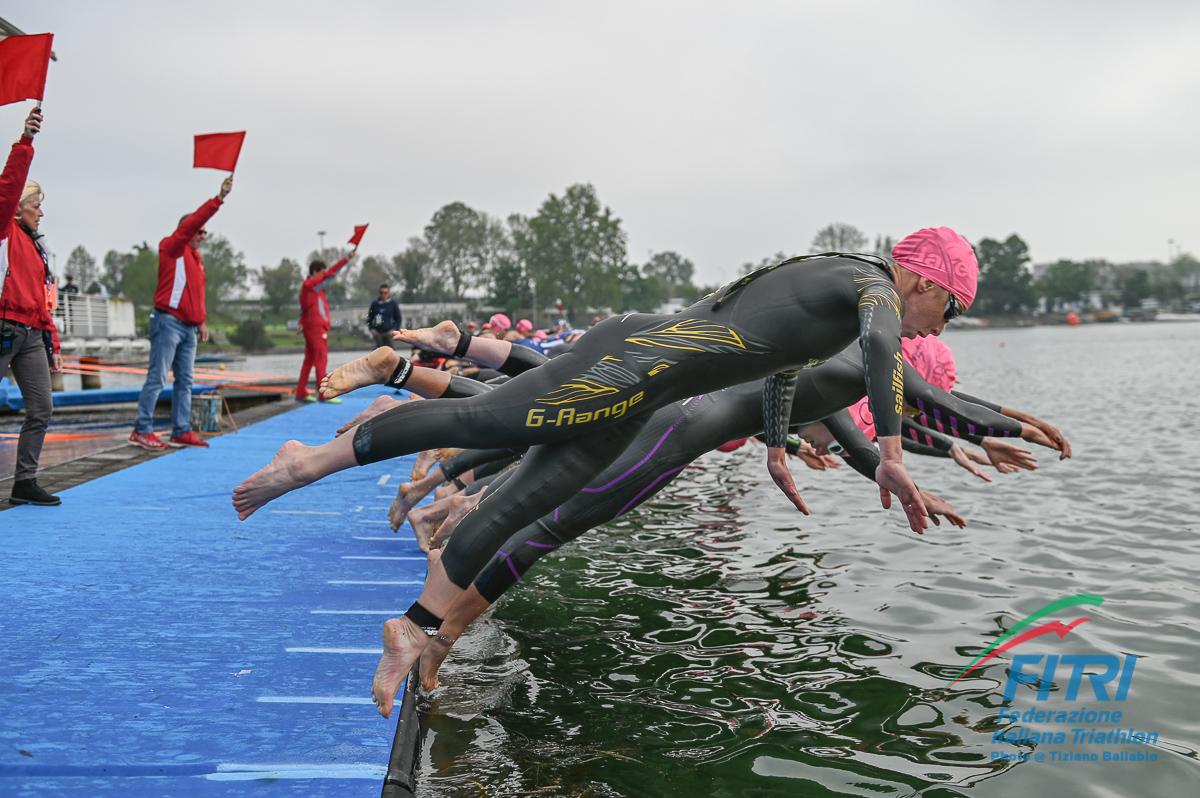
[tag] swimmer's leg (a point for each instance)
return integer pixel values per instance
(547, 477)
(506, 568)
(446, 339)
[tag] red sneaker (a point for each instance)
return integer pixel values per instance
(189, 438)
(148, 441)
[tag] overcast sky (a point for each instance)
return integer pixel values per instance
(725, 131)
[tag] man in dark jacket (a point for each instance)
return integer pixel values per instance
(383, 317)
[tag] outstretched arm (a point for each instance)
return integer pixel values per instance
(954, 415)
(318, 280)
(778, 392)
(883, 366)
(1056, 439)
(972, 418)
(16, 169)
(173, 244)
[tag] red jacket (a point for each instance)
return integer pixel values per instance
(23, 271)
(314, 306)
(180, 289)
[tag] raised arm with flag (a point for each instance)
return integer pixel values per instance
(28, 337)
(315, 321)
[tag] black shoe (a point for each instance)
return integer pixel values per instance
(27, 491)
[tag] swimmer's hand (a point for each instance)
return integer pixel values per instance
(1044, 434)
(963, 459)
(936, 506)
(1008, 457)
(816, 462)
(892, 477)
(778, 469)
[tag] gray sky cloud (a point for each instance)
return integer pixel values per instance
(726, 132)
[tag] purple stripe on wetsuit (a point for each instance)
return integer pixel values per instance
(636, 465)
(687, 411)
(633, 502)
(516, 574)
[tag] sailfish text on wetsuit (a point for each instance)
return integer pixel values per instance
(898, 383)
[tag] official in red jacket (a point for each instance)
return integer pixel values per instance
(178, 318)
(28, 337)
(314, 322)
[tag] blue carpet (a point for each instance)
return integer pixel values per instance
(155, 646)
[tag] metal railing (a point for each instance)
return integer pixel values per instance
(90, 316)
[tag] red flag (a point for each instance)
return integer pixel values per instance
(359, 229)
(23, 64)
(218, 150)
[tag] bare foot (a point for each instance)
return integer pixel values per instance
(445, 491)
(425, 461)
(403, 642)
(463, 612)
(284, 473)
(424, 521)
(398, 510)
(444, 454)
(372, 369)
(441, 338)
(459, 506)
(431, 660)
(407, 497)
(381, 405)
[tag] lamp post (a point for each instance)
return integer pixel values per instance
(321, 239)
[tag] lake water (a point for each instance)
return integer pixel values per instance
(716, 643)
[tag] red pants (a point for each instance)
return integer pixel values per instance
(316, 355)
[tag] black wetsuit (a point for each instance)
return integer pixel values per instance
(581, 410)
(678, 434)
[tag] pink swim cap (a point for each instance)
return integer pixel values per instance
(500, 322)
(932, 359)
(539, 335)
(524, 326)
(944, 257)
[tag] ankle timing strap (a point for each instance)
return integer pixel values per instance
(422, 617)
(401, 374)
(464, 341)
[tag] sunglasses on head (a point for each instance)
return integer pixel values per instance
(954, 308)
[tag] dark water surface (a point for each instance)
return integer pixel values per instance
(714, 642)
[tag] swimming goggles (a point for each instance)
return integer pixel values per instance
(954, 308)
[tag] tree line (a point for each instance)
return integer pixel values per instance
(573, 251)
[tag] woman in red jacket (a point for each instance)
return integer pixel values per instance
(314, 322)
(28, 337)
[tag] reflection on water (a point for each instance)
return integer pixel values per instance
(716, 643)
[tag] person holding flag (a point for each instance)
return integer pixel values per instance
(179, 317)
(28, 337)
(314, 320)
